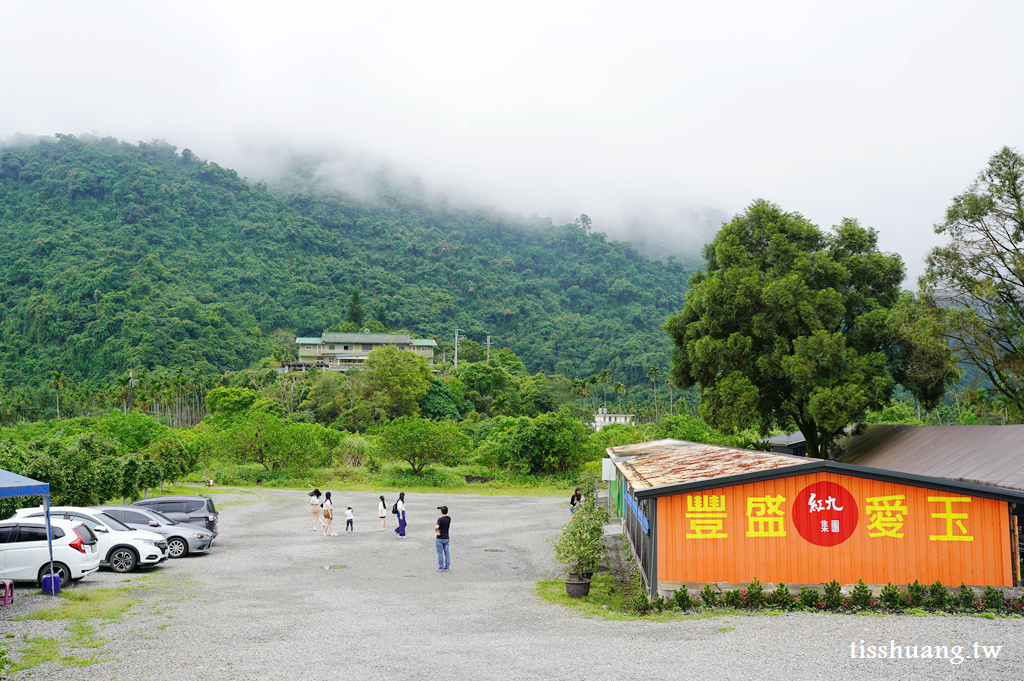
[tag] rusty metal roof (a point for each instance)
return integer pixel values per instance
(672, 462)
(982, 455)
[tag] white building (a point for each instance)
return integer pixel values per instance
(602, 418)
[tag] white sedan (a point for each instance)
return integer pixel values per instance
(25, 555)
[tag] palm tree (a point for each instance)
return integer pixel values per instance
(671, 404)
(604, 377)
(57, 381)
(620, 390)
(591, 382)
(125, 383)
(654, 374)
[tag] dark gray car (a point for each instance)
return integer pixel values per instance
(182, 538)
(184, 509)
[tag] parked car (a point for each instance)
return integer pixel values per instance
(122, 548)
(182, 538)
(25, 553)
(184, 509)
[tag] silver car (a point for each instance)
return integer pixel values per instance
(182, 538)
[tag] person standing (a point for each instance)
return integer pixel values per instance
(382, 511)
(328, 507)
(576, 500)
(314, 507)
(441, 529)
(401, 515)
(348, 520)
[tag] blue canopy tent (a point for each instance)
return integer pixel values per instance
(14, 485)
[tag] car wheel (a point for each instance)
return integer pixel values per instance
(177, 547)
(123, 560)
(59, 569)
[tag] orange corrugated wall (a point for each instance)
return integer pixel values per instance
(876, 560)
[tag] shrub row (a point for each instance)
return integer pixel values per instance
(935, 597)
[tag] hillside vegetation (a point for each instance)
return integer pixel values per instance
(118, 257)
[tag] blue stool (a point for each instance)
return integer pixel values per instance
(6, 592)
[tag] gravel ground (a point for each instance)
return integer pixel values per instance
(262, 605)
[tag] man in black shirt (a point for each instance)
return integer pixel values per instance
(441, 529)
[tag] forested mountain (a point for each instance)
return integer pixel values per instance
(116, 256)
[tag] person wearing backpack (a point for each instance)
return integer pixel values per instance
(382, 511)
(400, 510)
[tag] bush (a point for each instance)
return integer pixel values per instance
(938, 596)
(734, 598)
(755, 594)
(993, 599)
(781, 598)
(833, 595)
(683, 600)
(890, 597)
(965, 599)
(580, 544)
(917, 594)
(809, 598)
(861, 596)
(641, 605)
(708, 596)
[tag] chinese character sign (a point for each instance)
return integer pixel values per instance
(886, 515)
(825, 513)
(951, 518)
(766, 516)
(706, 516)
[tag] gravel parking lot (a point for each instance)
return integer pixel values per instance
(263, 604)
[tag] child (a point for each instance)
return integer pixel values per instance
(328, 507)
(348, 520)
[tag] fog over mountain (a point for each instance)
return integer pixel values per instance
(657, 120)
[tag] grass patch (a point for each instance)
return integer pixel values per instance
(40, 649)
(108, 604)
(723, 630)
(608, 599)
(388, 478)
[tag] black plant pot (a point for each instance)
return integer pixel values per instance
(577, 588)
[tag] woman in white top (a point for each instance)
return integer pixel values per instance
(401, 516)
(314, 507)
(382, 511)
(328, 507)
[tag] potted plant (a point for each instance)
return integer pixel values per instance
(580, 547)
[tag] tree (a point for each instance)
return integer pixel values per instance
(421, 442)
(654, 374)
(355, 310)
(397, 379)
(620, 390)
(550, 443)
(976, 282)
(382, 317)
(791, 325)
(57, 382)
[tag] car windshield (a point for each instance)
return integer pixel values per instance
(164, 518)
(114, 523)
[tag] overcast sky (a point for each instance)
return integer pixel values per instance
(658, 119)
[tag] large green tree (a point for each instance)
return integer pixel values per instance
(976, 281)
(397, 379)
(790, 325)
(421, 442)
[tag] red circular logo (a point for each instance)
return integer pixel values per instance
(825, 514)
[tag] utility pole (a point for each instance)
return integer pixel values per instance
(488, 344)
(457, 337)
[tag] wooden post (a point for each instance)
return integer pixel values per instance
(1015, 541)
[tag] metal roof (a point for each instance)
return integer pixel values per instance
(983, 455)
(787, 439)
(377, 338)
(665, 467)
(674, 462)
(424, 341)
(311, 340)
